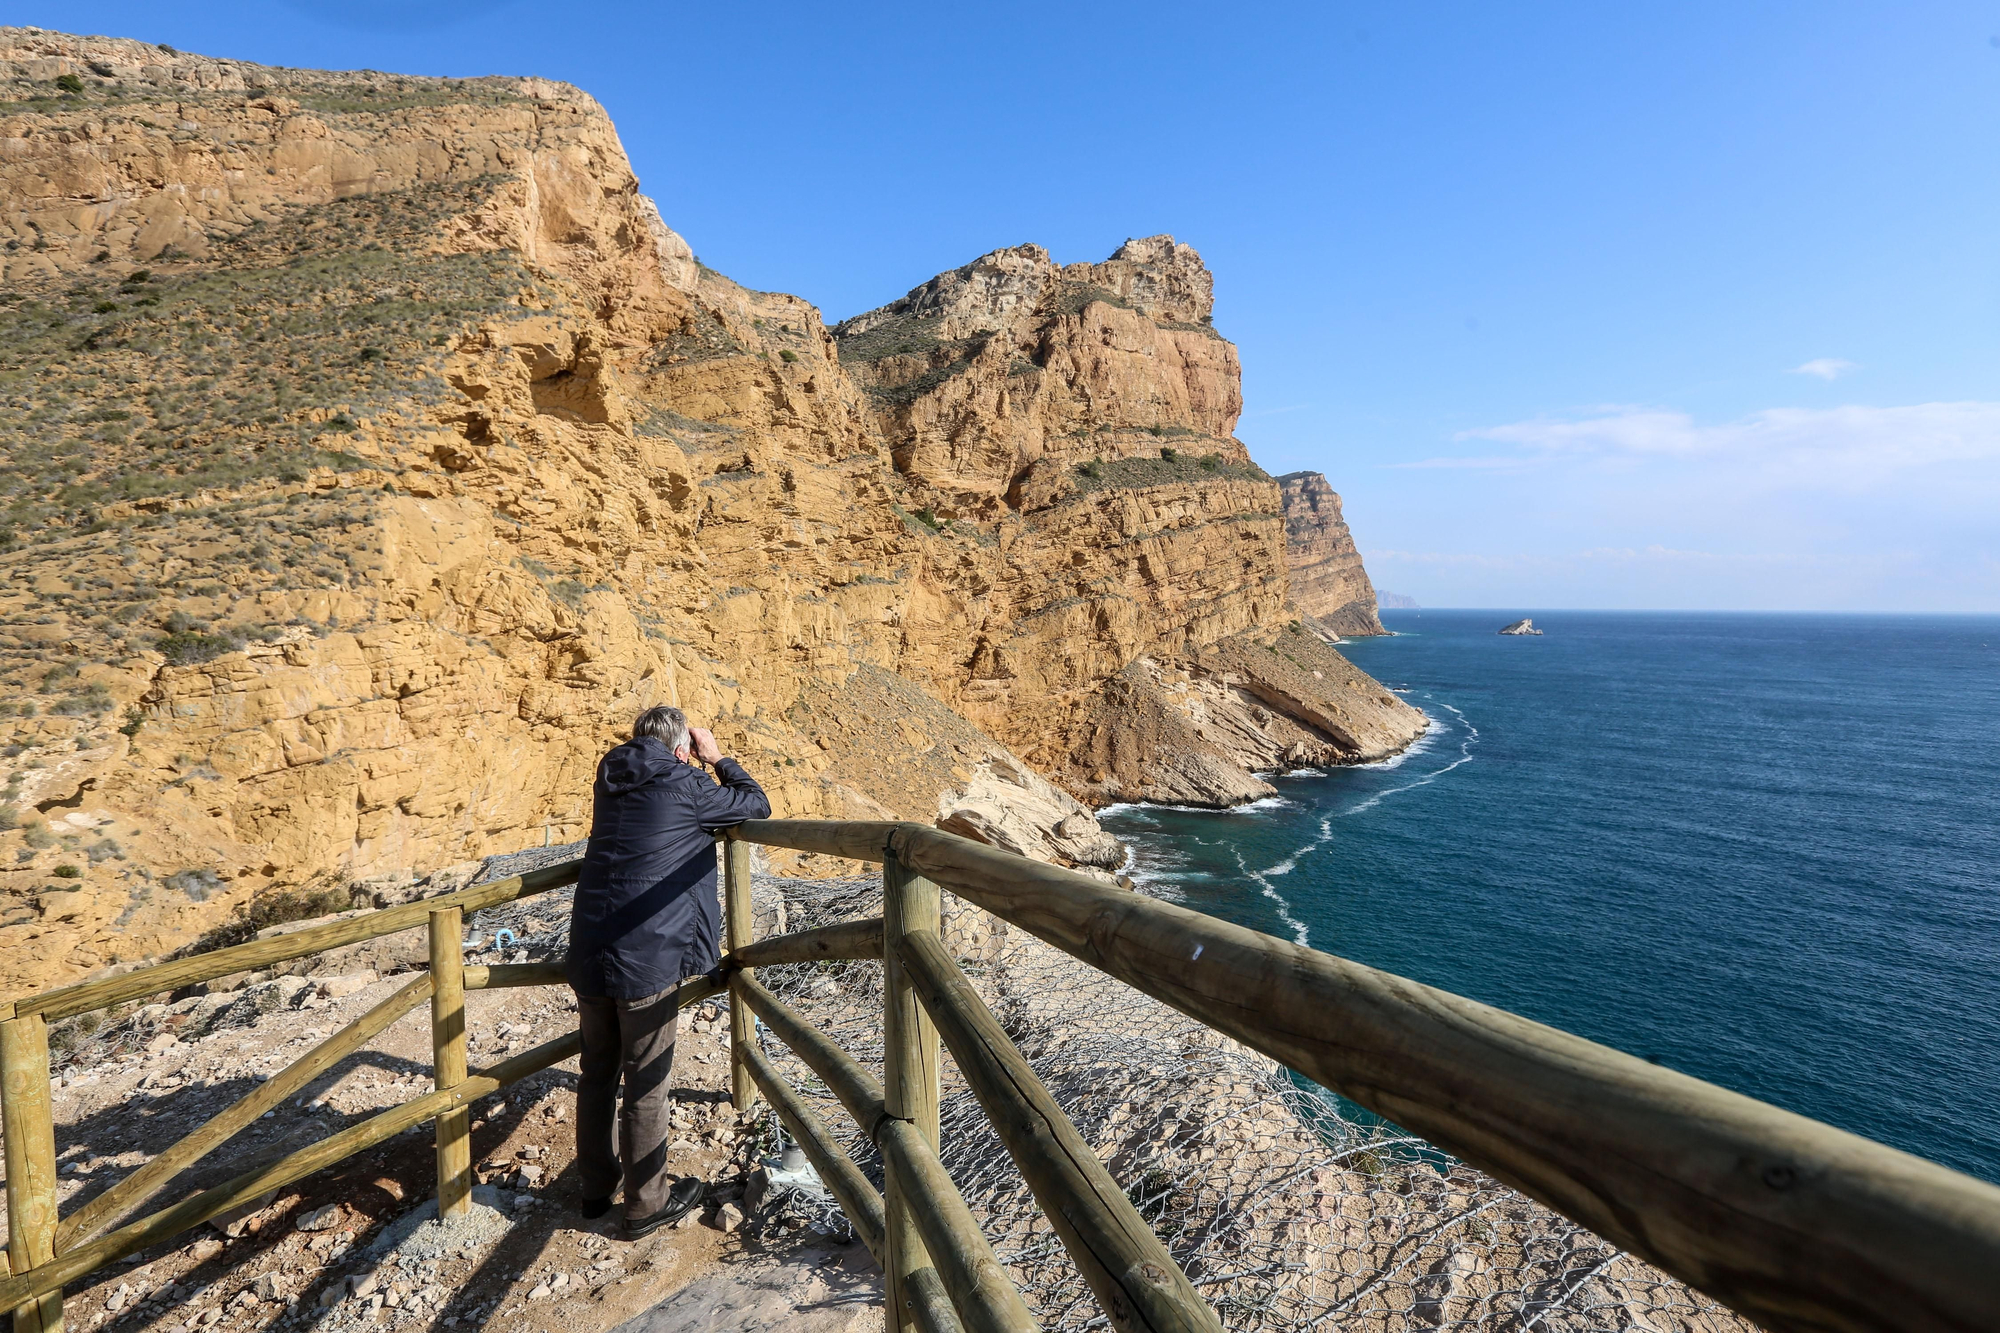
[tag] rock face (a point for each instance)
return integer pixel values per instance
(993, 381)
(1087, 412)
(377, 452)
(1195, 728)
(1328, 581)
(1521, 627)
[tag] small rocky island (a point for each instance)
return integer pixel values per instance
(1521, 627)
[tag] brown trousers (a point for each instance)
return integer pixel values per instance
(633, 1039)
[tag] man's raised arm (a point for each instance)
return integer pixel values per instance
(736, 798)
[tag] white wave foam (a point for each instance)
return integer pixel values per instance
(1158, 866)
(1465, 745)
(1299, 932)
(1139, 809)
(1461, 717)
(1423, 744)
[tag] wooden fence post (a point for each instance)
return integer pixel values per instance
(454, 1127)
(741, 928)
(31, 1163)
(909, 1073)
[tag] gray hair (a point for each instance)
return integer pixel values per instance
(669, 725)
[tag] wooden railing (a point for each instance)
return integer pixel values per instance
(1790, 1222)
(46, 1252)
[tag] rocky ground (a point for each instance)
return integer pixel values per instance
(357, 1246)
(1284, 1212)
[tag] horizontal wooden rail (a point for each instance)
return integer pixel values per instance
(156, 1174)
(193, 1211)
(1137, 1283)
(854, 839)
(1791, 1222)
(980, 1291)
(161, 977)
(842, 940)
(986, 1300)
(501, 976)
(857, 1198)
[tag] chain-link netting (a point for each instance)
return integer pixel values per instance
(1287, 1209)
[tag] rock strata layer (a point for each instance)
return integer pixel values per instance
(376, 452)
(1328, 580)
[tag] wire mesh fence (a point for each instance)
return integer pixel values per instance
(1288, 1209)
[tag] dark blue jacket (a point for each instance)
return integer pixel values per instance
(645, 912)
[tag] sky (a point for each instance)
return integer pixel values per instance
(1577, 305)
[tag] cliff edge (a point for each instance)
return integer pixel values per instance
(1328, 580)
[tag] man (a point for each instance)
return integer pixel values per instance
(644, 921)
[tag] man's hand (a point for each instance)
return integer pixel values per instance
(703, 741)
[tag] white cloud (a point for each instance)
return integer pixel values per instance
(1825, 367)
(1654, 554)
(1500, 463)
(1836, 447)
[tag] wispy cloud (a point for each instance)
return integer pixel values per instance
(1655, 554)
(1838, 447)
(1491, 462)
(1825, 367)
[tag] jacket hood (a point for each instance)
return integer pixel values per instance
(636, 763)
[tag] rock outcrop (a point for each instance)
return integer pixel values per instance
(377, 451)
(1197, 728)
(1087, 412)
(1328, 581)
(1521, 627)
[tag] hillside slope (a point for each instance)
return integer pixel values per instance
(373, 452)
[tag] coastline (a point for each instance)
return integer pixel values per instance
(1598, 831)
(1198, 729)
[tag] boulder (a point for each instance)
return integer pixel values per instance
(321, 1219)
(346, 984)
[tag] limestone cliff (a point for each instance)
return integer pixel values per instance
(1087, 412)
(1328, 581)
(374, 452)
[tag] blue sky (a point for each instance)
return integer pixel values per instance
(1635, 305)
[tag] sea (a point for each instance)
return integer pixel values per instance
(1760, 849)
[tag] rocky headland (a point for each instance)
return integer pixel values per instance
(1328, 580)
(1521, 627)
(374, 451)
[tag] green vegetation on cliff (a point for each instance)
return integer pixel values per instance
(1171, 467)
(254, 364)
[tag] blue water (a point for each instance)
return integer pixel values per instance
(1760, 849)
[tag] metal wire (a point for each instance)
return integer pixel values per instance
(1288, 1209)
